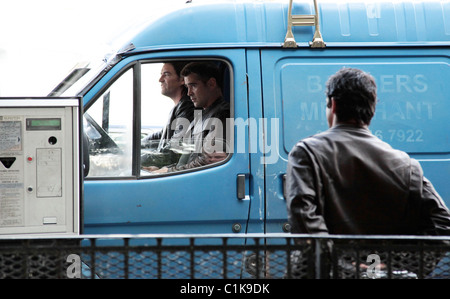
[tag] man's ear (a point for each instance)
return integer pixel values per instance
(211, 82)
(333, 105)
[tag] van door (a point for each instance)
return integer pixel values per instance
(412, 111)
(125, 106)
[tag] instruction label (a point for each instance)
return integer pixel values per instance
(10, 136)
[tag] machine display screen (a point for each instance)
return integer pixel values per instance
(38, 124)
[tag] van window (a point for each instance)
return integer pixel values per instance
(175, 136)
(108, 126)
(180, 134)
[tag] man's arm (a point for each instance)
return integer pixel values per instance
(304, 212)
(435, 216)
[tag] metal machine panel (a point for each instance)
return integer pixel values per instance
(39, 166)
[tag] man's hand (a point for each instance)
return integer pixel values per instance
(150, 168)
(161, 170)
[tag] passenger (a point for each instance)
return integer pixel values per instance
(347, 181)
(206, 134)
(181, 115)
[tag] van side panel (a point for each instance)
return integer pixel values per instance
(412, 111)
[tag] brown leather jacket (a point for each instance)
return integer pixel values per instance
(347, 181)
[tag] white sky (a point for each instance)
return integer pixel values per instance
(41, 40)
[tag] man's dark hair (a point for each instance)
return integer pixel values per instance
(178, 66)
(205, 71)
(355, 94)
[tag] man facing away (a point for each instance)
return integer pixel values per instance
(347, 181)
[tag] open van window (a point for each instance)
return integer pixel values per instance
(175, 134)
(181, 129)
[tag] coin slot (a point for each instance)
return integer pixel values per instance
(52, 140)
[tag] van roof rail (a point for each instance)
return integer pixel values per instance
(303, 20)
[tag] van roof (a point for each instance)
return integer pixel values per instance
(264, 24)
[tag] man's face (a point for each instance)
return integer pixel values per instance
(198, 91)
(170, 82)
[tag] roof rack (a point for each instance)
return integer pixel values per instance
(303, 20)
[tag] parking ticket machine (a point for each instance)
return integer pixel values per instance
(40, 181)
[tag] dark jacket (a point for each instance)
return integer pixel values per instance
(181, 113)
(347, 181)
(207, 135)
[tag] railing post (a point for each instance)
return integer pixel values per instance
(92, 248)
(288, 254)
(158, 250)
(318, 258)
(257, 257)
(126, 257)
(26, 263)
(421, 260)
(192, 257)
(224, 255)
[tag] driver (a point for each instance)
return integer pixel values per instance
(181, 115)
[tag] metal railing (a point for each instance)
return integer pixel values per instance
(277, 256)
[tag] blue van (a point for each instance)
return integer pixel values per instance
(275, 57)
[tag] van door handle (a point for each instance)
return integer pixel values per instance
(242, 187)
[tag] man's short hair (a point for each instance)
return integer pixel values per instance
(178, 66)
(204, 70)
(355, 94)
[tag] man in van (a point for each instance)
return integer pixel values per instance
(181, 115)
(207, 132)
(347, 181)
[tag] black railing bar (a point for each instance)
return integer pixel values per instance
(192, 257)
(26, 262)
(421, 263)
(317, 256)
(393, 247)
(224, 257)
(268, 247)
(174, 248)
(334, 263)
(389, 265)
(159, 253)
(126, 257)
(358, 258)
(427, 241)
(230, 236)
(288, 257)
(256, 240)
(396, 248)
(93, 261)
(41, 243)
(229, 247)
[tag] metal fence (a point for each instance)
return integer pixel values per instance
(278, 256)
